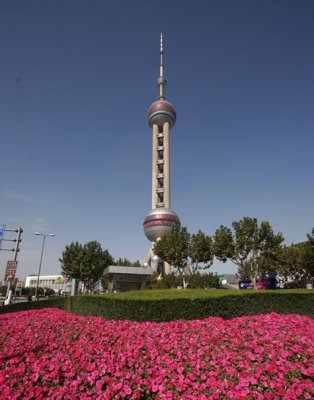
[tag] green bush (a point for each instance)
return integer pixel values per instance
(3, 290)
(56, 302)
(193, 281)
(167, 282)
(167, 305)
(203, 281)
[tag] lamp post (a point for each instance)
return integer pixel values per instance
(41, 257)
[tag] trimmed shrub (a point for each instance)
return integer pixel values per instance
(167, 282)
(203, 281)
(63, 303)
(193, 281)
(171, 305)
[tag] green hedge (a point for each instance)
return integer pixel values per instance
(180, 304)
(57, 302)
(193, 281)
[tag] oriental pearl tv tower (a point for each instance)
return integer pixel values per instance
(159, 222)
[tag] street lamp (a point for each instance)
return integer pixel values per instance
(41, 257)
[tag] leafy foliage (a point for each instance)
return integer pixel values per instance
(174, 248)
(205, 281)
(201, 251)
(193, 281)
(254, 248)
(124, 262)
(3, 290)
(167, 282)
(186, 253)
(309, 256)
(310, 237)
(298, 262)
(85, 262)
(293, 265)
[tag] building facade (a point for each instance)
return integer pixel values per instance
(55, 282)
(122, 278)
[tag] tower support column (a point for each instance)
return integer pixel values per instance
(166, 164)
(155, 166)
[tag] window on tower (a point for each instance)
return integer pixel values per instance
(160, 197)
(160, 183)
(160, 154)
(160, 168)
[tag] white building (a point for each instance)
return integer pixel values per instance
(55, 282)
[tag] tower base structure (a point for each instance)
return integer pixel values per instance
(158, 266)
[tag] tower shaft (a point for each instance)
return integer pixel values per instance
(161, 166)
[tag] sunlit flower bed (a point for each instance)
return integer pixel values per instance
(58, 355)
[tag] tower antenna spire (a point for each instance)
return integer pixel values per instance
(161, 82)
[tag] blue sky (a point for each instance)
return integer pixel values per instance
(76, 80)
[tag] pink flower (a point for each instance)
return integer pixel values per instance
(54, 354)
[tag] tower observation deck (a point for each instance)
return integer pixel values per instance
(161, 118)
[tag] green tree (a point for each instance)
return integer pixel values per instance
(184, 252)
(174, 248)
(254, 248)
(201, 251)
(293, 261)
(193, 281)
(297, 262)
(136, 264)
(309, 257)
(124, 262)
(310, 237)
(85, 263)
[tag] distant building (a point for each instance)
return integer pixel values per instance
(55, 282)
(126, 278)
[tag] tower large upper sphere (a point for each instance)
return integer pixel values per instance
(161, 111)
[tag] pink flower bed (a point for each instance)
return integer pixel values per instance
(59, 355)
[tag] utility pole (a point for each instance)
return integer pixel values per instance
(15, 249)
(17, 241)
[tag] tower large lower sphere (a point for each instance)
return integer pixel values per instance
(159, 222)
